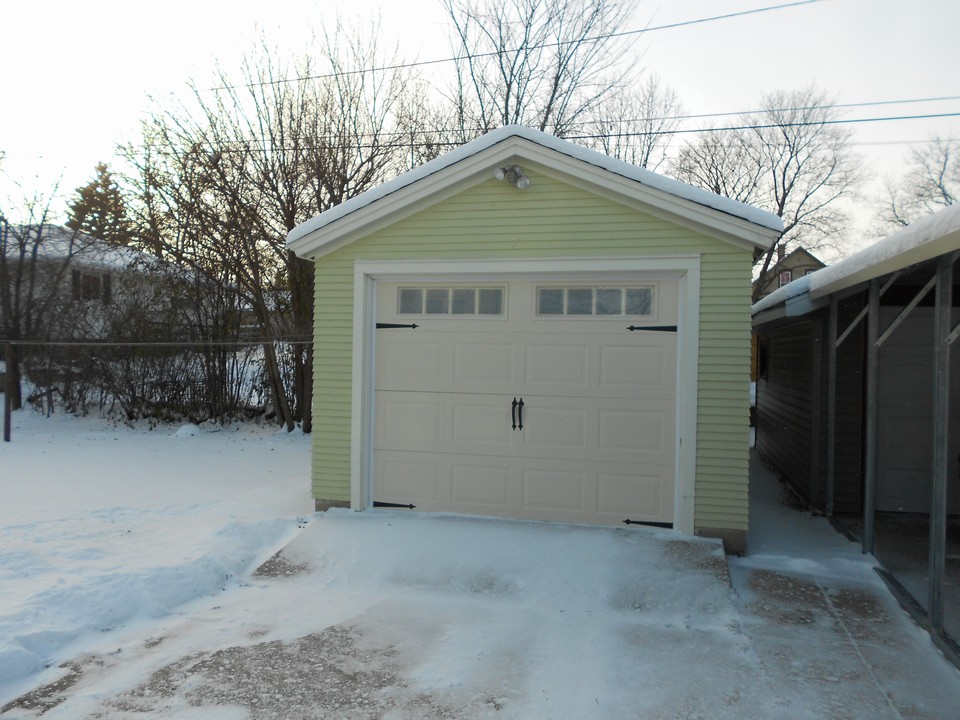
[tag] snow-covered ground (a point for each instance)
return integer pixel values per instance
(128, 562)
(102, 525)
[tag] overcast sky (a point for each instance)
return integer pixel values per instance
(76, 76)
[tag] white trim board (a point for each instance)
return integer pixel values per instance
(368, 273)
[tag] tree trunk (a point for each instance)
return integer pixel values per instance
(762, 277)
(276, 386)
(12, 378)
(300, 273)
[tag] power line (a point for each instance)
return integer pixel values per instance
(805, 123)
(399, 139)
(494, 53)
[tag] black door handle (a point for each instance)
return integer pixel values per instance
(513, 413)
(520, 414)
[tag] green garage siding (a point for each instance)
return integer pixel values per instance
(550, 219)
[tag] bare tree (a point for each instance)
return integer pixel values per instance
(542, 63)
(724, 163)
(932, 182)
(220, 183)
(790, 159)
(637, 124)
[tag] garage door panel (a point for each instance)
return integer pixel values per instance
(479, 422)
(554, 427)
(401, 476)
(407, 420)
(487, 485)
(483, 362)
(549, 364)
(405, 364)
(634, 430)
(554, 490)
(638, 496)
(639, 368)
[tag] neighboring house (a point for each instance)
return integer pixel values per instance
(858, 405)
(789, 267)
(524, 328)
(58, 282)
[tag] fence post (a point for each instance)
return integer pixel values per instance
(7, 390)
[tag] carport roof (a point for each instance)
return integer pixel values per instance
(475, 160)
(928, 238)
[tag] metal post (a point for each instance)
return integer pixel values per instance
(7, 390)
(831, 403)
(873, 385)
(941, 418)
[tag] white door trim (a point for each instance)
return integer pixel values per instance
(368, 273)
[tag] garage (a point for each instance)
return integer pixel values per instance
(529, 400)
(524, 328)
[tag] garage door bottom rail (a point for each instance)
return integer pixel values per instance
(409, 506)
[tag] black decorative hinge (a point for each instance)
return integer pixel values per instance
(387, 326)
(648, 523)
(653, 328)
(377, 503)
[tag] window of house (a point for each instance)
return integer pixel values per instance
(86, 285)
(450, 301)
(785, 277)
(596, 300)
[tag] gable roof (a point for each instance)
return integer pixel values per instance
(475, 161)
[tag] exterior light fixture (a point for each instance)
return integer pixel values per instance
(512, 174)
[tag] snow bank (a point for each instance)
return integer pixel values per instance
(102, 525)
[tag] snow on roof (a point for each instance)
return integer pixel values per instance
(925, 239)
(782, 294)
(565, 147)
(60, 243)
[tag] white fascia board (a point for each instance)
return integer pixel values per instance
(447, 176)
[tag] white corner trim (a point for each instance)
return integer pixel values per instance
(367, 273)
(361, 402)
(688, 374)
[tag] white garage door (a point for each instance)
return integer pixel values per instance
(528, 399)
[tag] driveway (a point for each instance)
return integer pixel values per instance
(385, 615)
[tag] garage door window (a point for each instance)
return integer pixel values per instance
(450, 301)
(634, 301)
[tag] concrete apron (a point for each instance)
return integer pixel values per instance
(650, 628)
(826, 629)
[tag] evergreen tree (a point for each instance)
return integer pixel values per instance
(99, 211)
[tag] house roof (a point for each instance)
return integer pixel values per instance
(924, 240)
(60, 243)
(474, 162)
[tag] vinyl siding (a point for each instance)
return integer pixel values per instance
(551, 219)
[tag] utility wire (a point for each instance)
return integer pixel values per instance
(399, 138)
(494, 53)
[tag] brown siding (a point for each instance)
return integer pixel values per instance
(784, 404)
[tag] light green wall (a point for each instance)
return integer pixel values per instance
(551, 219)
